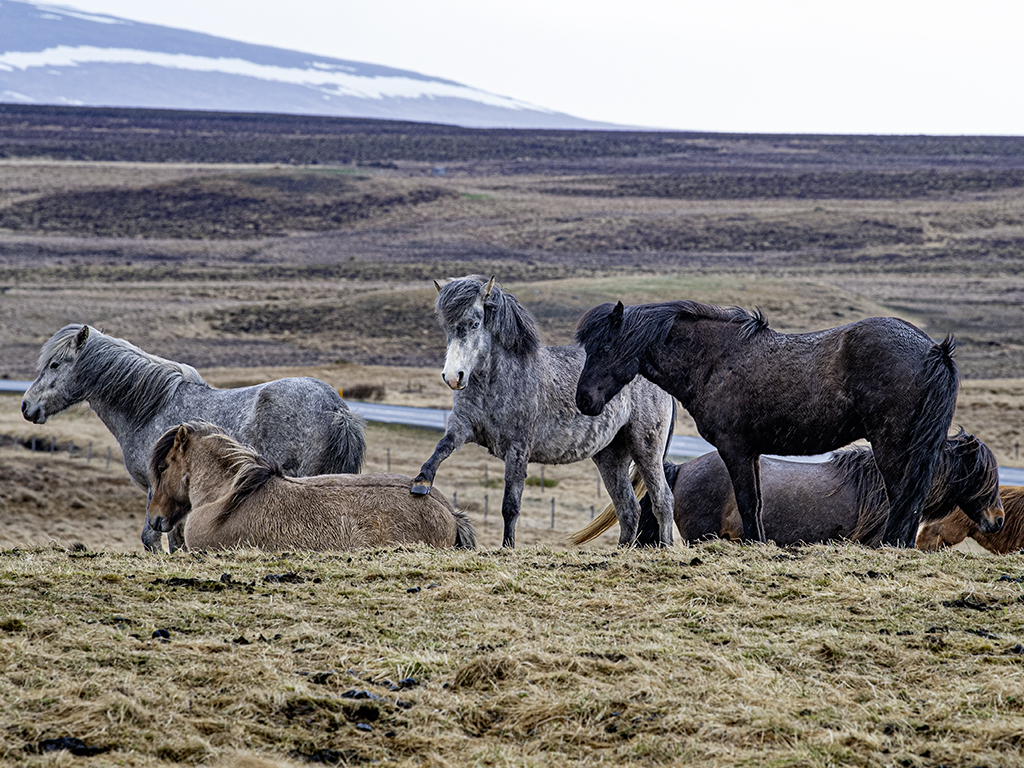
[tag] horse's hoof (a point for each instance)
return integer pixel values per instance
(420, 489)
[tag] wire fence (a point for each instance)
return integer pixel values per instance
(53, 447)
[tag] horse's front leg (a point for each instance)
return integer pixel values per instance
(453, 439)
(176, 537)
(152, 539)
(511, 501)
(745, 473)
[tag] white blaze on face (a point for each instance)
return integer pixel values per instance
(467, 342)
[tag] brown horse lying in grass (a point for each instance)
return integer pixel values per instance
(234, 497)
(841, 499)
(954, 528)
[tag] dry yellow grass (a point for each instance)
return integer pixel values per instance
(712, 656)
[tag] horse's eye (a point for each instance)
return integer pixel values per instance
(476, 325)
(54, 364)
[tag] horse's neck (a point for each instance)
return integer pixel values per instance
(125, 418)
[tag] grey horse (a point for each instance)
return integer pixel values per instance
(516, 398)
(300, 423)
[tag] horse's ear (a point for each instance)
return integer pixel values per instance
(438, 286)
(181, 436)
(489, 288)
(81, 337)
(616, 316)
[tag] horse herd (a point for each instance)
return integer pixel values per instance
(277, 465)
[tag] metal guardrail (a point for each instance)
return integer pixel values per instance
(681, 447)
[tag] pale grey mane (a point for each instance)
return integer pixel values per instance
(114, 369)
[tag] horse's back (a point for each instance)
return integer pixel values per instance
(330, 512)
(802, 501)
(301, 423)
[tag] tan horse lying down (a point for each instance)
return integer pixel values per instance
(234, 497)
(955, 527)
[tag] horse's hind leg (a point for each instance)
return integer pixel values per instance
(906, 486)
(653, 472)
(613, 464)
(511, 502)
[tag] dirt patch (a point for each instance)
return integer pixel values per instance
(236, 206)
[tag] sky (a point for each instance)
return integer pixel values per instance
(745, 66)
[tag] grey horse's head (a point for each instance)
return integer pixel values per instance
(481, 320)
(56, 386)
(460, 308)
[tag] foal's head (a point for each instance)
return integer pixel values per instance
(169, 498)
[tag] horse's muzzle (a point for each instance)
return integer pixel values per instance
(158, 523)
(456, 382)
(33, 413)
(991, 524)
(588, 405)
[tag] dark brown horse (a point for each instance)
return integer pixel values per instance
(752, 391)
(957, 526)
(841, 499)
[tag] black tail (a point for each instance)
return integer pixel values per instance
(931, 424)
(465, 535)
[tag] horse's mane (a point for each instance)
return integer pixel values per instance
(649, 324)
(856, 467)
(251, 470)
(511, 326)
(966, 454)
(118, 369)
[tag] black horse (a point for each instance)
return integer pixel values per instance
(752, 390)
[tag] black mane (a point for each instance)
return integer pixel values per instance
(647, 324)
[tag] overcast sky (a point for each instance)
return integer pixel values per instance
(790, 66)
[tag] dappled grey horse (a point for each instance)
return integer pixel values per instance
(516, 398)
(300, 423)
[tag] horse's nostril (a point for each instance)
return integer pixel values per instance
(24, 407)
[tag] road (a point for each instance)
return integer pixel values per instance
(681, 447)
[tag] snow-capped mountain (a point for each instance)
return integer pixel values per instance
(53, 55)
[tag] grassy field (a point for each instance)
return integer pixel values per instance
(255, 247)
(710, 656)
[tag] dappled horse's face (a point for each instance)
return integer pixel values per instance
(607, 369)
(469, 343)
(169, 492)
(55, 388)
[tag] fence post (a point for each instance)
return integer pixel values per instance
(33, 443)
(389, 461)
(552, 513)
(598, 483)
(591, 511)
(541, 479)
(455, 499)
(71, 449)
(88, 453)
(485, 507)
